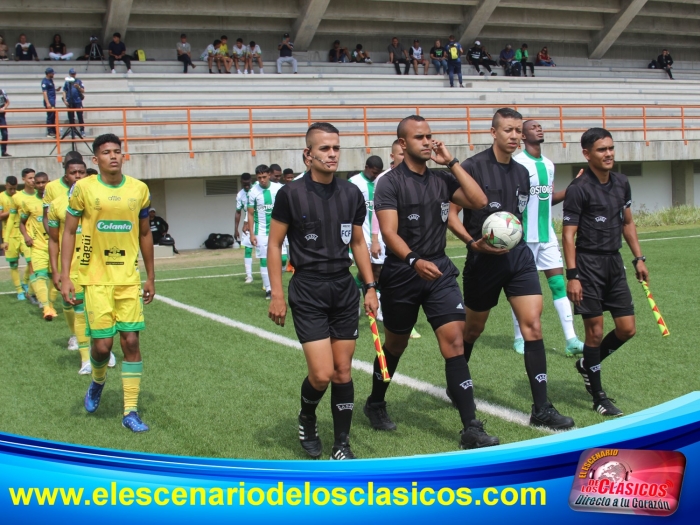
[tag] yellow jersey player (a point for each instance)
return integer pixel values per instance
(112, 209)
(9, 238)
(16, 246)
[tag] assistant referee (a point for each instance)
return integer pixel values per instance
(322, 216)
(596, 214)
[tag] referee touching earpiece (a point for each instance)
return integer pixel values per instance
(322, 216)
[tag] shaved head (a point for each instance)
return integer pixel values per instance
(402, 128)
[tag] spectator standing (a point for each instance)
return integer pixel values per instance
(223, 54)
(438, 57)
(338, 53)
(3, 49)
(398, 55)
(286, 48)
(73, 94)
(417, 57)
(454, 52)
(117, 52)
(24, 51)
(521, 55)
(358, 55)
(184, 52)
(477, 58)
(254, 55)
(239, 53)
(48, 90)
(4, 104)
(665, 62)
(57, 49)
(543, 59)
(506, 58)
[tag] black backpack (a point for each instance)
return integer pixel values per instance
(218, 241)
(516, 69)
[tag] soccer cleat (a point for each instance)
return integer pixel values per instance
(604, 405)
(549, 417)
(519, 345)
(474, 436)
(133, 422)
(378, 416)
(112, 361)
(49, 313)
(414, 334)
(25, 287)
(574, 347)
(33, 300)
(249, 279)
(268, 295)
(342, 450)
(93, 395)
(308, 435)
(85, 369)
(581, 370)
(72, 343)
(21, 296)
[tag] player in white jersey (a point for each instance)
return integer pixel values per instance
(261, 200)
(365, 181)
(244, 238)
(539, 233)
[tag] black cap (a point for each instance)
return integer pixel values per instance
(286, 35)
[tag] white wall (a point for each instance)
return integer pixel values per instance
(697, 189)
(192, 216)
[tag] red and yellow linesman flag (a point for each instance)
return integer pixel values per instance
(659, 320)
(378, 347)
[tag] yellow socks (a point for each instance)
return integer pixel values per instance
(14, 274)
(79, 327)
(99, 369)
(39, 284)
(131, 381)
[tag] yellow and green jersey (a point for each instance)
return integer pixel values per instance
(110, 218)
(262, 200)
(32, 209)
(57, 219)
(10, 228)
(54, 189)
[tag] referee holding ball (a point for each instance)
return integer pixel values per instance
(322, 216)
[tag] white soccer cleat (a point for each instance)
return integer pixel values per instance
(72, 343)
(112, 360)
(114, 72)
(85, 369)
(248, 279)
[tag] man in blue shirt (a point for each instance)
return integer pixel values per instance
(506, 59)
(73, 90)
(48, 90)
(454, 63)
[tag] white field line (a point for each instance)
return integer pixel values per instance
(504, 413)
(197, 267)
(196, 277)
(669, 238)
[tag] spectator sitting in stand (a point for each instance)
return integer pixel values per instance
(57, 49)
(184, 52)
(338, 54)
(3, 49)
(117, 52)
(223, 55)
(476, 57)
(211, 55)
(24, 50)
(665, 62)
(486, 57)
(521, 55)
(91, 53)
(358, 55)
(254, 54)
(437, 57)
(543, 59)
(159, 230)
(286, 48)
(506, 58)
(239, 53)
(398, 55)
(417, 57)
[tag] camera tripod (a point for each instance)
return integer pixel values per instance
(74, 133)
(95, 51)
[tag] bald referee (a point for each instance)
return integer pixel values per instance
(412, 203)
(322, 215)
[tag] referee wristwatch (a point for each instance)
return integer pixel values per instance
(367, 286)
(454, 161)
(637, 259)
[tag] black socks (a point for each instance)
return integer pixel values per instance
(536, 367)
(342, 404)
(310, 398)
(379, 387)
(459, 383)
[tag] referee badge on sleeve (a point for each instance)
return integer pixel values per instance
(346, 232)
(444, 211)
(522, 201)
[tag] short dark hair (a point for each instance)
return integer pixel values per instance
(27, 171)
(374, 162)
(40, 175)
(504, 113)
(239, 40)
(287, 171)
(275, 167)
(107, 138)
(592, 135)
(71, 155)
(183, 35)
(336, 42)
(224, 37)
(262, 168)
(71, 162)
(252, 43)
(326, 127)
(91, 171)
(217, 42)
(245, 176)
(11, 179)
(400, 129)
(524, 45)
(117, 34)
(395, 143)
(358, 46)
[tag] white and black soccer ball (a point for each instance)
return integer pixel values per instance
(503, 230)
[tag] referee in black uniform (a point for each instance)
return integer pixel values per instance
(322, 216)
(412, 204)
(596, 213)
(488, 270)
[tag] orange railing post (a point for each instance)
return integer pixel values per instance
(57, 131)
(189, 133)
(126, 138)
(683, 125)
(561, 126)
(364, 119)
(469, 130)
(644, 123)
(250, 125)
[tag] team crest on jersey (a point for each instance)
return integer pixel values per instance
(444, 211)
(312, 237)
(495, 205)
(522, 202)
(132, 204)
(413, 217)
(346, 232)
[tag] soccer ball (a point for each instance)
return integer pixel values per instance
(503, 230)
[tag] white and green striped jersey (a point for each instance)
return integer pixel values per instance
(242, 201)
(367, 188)
(537, 217)
(262, 200)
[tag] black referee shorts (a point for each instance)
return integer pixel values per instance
(404, 292)
(486, 275)
(324, 306)
(604, 283)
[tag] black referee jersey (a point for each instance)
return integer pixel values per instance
(507, 188)
(598, 210)
(320, 219)
(422, 203)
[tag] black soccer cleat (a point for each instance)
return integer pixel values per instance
(378, 416)
(308, 436)
(342, 450)
(268, 295)
(581, 370)
(474, 436)
(605, 406)
(549, 417)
